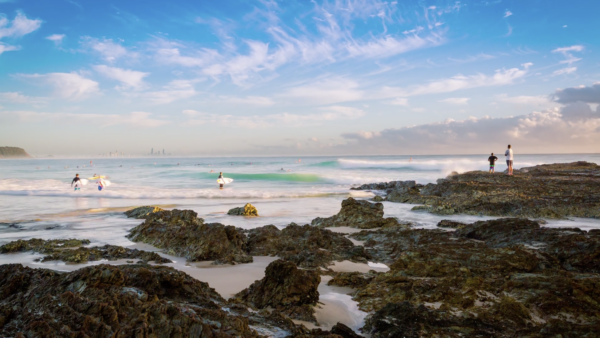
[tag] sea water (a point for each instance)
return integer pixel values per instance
(37, 200)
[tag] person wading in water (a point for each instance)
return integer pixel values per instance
(221, 177)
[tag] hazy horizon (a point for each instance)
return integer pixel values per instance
(295, 78)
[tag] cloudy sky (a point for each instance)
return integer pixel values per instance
(299, 77)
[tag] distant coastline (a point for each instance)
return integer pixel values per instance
(13, 152)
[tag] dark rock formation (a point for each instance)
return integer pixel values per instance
(142, 212)
(357, 214)
(72, 251)
(500, 278)
(182, 233)
(307, 246)
(112, 301)
(246, 210)
(13, 152)
(352, 279)
(450, 224)
(285, 288)
(544, 191)
(344, 331)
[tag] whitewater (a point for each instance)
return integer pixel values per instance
(38, 202)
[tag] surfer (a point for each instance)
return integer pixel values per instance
(221, 182)
(77, 182)
(492, 160)
(100, 184)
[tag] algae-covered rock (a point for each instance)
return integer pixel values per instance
(42, 245)
(445, 223)
(307, 246)
(246, 210)
(344, 331)
(357, 214)
(286, 288)
(545, 191)
(182, 233)
(142, 212)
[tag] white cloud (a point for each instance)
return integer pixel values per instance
(388, 45)
(507, 14)
(70, 86)
(400, 101)
(325, 91)
(107, 48)
(499, 78)
(8, 48)
(257, 101)
(130, 79)
(564, 71)
(541, 100)
(133, 119)
(56, 38)
(565, 51)
(456, 100)
(325, 114)
(15, 97)
(173, 91)
(18, 27)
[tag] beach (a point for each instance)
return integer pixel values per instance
(39, 203)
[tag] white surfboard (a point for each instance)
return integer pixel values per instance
(106, 183)
(224, 180)
(84, 181)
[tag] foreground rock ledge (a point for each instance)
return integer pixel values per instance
(500, 278)
(545, 191)
(128, 301)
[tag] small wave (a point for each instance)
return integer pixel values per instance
(285, 177)
(327, 164)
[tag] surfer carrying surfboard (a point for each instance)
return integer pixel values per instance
(77, 182)
(220, 178)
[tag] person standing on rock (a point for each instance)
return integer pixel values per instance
(221, 182)
(509, 159)
(492, 160)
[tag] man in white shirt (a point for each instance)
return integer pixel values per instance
(509, 159)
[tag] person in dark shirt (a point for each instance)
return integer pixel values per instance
(77, 182)
(492, 160)
(220, 177)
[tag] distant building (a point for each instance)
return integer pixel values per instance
(163, 152)
(152, 151)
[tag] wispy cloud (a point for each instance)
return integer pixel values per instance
(566, 52)
(70, 86)
(456, 100)
(507, 13)
(107, 48)
(173, 91)
(133, 119)
(499, 78)
(564, 71)
(18, 27)
(56, 38)
(327, 91)
(524, 100)
(130, 79)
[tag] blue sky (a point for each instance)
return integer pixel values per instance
(298, 77)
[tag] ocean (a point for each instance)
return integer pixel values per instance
(38, 202)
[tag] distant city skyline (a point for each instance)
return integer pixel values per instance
(299, 78)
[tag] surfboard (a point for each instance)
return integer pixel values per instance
(96, 177)
(224, 180)
(106, 183)
(84, 181)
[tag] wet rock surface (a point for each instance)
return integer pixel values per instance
(357, 214)
(246, 210)
(72, 251)
(500, 278)
(306, 246)
(285, 288)
(450, 224)
(544, 191)
(182, 233)
(127, 301)
(142, 212)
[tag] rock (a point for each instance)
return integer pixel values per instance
(13, 152)
(357, 214)
(344, 331)
(378, 198)
(246, 210)
(110, 301)
(545, 191)
(142, 212)
(284, 287)
(386, 185)
(352, 279)
(182, 233)
(41, 245)
(306, 246)
(445, 223)
(498, 278)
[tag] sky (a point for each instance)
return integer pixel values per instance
(261, 78)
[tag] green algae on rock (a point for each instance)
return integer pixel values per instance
(246, 210)
(182, 233)
(42, 245)
(357, 214)
(545, 191)
(142, 212)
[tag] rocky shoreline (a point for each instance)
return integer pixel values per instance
(509, 277)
